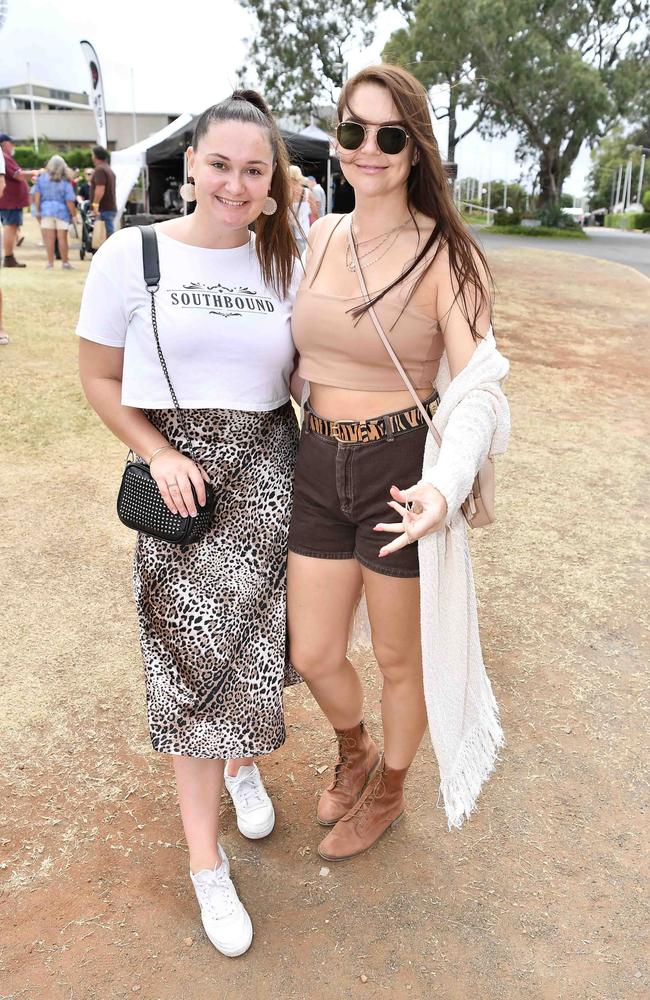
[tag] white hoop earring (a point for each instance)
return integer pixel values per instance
(187, 191)
(270, 206)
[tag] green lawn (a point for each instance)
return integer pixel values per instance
(563, 234)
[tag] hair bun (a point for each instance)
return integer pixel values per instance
(252, 97)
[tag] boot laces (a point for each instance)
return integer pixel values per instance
(346, 743)
(361, 810)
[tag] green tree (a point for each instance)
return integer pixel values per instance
(299, 54)
(435, 47)
(555, 73)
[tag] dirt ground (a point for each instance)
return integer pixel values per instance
(543, 895)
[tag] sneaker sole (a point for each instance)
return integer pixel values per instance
(348, 857)
(333, 822)
(233, 952)
(257, 834)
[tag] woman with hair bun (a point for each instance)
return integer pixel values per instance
(365, 452)
(212, 614)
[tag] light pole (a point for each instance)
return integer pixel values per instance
(619, 175)
(627, 184)
(31, 104)
(644, 151)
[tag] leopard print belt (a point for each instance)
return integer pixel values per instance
(389, 425)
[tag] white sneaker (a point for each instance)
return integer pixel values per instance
(255, 813)
(224, 917)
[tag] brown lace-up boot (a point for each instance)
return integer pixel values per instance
(358, 760)
(380, 807)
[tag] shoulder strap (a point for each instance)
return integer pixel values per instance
(151, 268)
(384, 339)
(150, 261)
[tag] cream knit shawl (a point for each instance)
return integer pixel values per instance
(473, 420)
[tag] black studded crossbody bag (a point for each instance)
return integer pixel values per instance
(139, 503)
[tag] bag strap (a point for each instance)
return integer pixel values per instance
(150, 259)
(151, 269)
(384, 339)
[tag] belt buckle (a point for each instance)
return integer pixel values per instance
(335, 430)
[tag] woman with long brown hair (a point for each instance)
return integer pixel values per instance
(365, 449)
(212, 614)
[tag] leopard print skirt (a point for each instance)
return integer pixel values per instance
(212, 614)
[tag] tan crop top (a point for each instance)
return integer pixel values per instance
(338, 350)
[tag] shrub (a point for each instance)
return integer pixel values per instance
(504, 218)
(618, 220)
(554, 217)
(78, 158)
(26, 156)
(646, 200)
(641, 220)
(568, 234)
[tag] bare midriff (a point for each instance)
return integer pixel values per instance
(355, 404)
(350, 373)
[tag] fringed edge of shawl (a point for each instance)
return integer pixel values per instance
(475, 763)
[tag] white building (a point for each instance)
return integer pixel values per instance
(66, 119)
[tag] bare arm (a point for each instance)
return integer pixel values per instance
(25, 175)
(3, 182)
(72, 208)
(99, 194)
(450, 310)
(100, 369)
(37, 203)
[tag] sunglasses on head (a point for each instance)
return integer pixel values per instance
(391, 139)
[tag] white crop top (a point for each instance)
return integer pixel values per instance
(225, 335)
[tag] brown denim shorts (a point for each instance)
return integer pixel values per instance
(341, 491)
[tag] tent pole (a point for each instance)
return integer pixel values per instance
(329, 184)
(184, 181)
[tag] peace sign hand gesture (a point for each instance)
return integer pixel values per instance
(423, 510)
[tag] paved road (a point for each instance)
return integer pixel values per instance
(616, 245)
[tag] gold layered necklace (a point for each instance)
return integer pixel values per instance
(373, 246)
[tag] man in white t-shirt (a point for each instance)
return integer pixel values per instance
(4, 339)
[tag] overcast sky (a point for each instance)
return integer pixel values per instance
(184, 57)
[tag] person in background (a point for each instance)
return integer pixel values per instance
(55, 205)
(343, 196)
(83, 185)
(102, 190)
(4, 339)
(14, 198)
(319, 194)
(304, 206)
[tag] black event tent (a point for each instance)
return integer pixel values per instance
(166, 159)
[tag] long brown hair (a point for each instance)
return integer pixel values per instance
(275, 244)
(428, 192)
